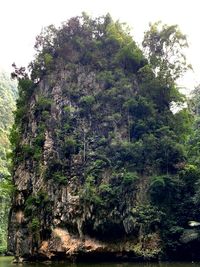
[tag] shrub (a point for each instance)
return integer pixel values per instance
(89, 192)
(59, 178)
(27, 151)
(37, 153)
(86, 102)
(35, 202)
(35, 224)
(129, 177)
(70, 146)
(45, 115)
(43, 104)
(39, 140)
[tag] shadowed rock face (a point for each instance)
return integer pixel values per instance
(94, 148)
(69, 198)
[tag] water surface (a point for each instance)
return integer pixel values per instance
(7, 262)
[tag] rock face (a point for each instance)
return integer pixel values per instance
(85, 148)
(66, 202)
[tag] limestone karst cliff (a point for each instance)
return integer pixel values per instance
(97, 150)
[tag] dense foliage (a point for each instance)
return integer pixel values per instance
(8, 94)
(139, 168)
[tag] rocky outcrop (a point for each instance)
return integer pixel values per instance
(92, 143)
(65, 176)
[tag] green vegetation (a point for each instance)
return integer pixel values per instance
(35, 202)
(8, 95)
(98, 108)
(43, 104)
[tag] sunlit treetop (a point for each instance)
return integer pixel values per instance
(164, 46)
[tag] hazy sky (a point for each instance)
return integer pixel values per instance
(22, 20)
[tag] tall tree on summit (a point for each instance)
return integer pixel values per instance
(164, 46)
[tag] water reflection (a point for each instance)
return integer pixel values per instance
(7, 262)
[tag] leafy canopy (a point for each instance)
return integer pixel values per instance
(164, 46)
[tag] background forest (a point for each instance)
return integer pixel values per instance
(8, 96)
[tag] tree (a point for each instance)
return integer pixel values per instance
(194, 101)
(8, 95)
(164, 45)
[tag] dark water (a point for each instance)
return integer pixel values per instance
(7, 262)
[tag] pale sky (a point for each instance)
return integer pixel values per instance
(22, 20)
